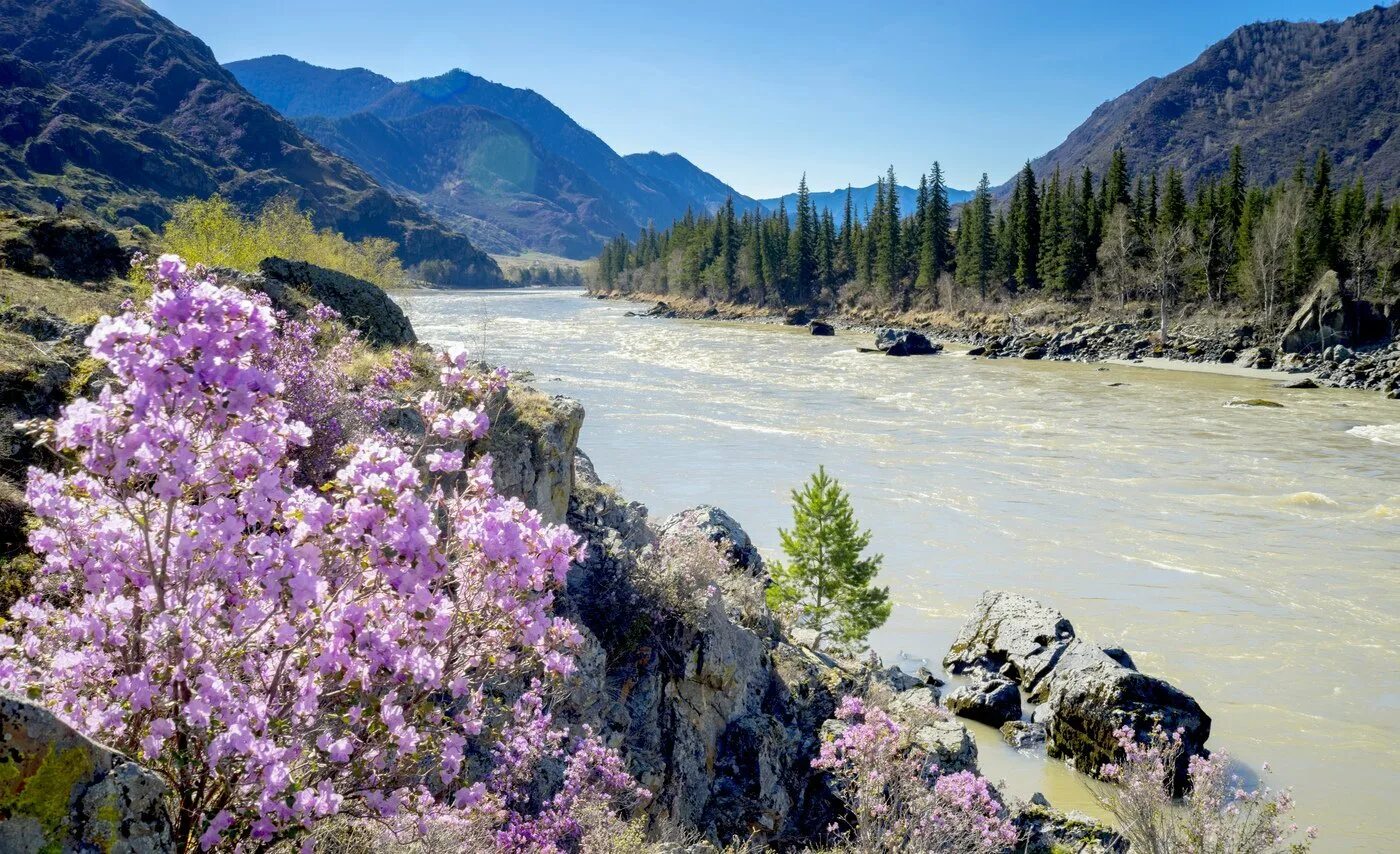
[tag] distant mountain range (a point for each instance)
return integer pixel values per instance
(124, 113)
(862, 200)
(1279, 90)
(504, 164)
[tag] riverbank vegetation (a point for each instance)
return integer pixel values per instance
(212, 232)
(1111, 238)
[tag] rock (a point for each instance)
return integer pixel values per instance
(1008, 628)
(1086, 694)
(821, 327)
(949, 744)
(1301, 382)
(1023, 734)
(916, 704)
(63, 247)
(1033, 353)
(1120, 655)
(721, 529)
(928, 677)
(532, 443)
(1228, 357)
(1253, 401)
(1330, 316)
(65, 792)
(1256, 357)
(363, 305)
(994, 702)
(1044, 830)
(904, 342)
(979, 350)
(796, 317)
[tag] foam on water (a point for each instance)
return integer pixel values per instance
(1386, 434)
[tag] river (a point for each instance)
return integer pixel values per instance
(1248, 555)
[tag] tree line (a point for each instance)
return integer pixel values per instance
(1112, 237)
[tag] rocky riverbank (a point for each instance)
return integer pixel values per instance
(1318, 344)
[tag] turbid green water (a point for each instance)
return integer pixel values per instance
(1249, 555)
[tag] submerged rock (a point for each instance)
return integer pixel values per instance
(1253, 401)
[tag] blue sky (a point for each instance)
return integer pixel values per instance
(759, 92)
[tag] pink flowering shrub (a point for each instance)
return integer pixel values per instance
(1217, 815)
(898, 801)
(284, 654)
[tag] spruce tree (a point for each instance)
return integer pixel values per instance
(802, 247)
(826, 579)
(846, 259)
(1115, 182)
(1026, 225)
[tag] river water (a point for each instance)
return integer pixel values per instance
(1249, 555)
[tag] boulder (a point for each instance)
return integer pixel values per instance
(1045, 830)
(1330, 316)
(719, 528)
(1023, 734)
(949, 744)
(61, 791)
(796, 317)
(904, 342)
(1086, 693)
(821, 327)
(363, 305)
(1013, 635)
(1256, 357)
(1036, 352)
(993, 702)
(1301, 382)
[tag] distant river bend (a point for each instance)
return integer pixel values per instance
(1249, 555)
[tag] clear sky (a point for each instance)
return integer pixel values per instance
(758, 92)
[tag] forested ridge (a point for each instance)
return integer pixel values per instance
(1112, 238)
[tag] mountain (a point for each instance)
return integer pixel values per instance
(1279, 90)
(562, 186)
(862, 199)
(696, 183)
(124, 113)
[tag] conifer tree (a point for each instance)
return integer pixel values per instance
(1025, 222)
(802, 247)
(826, 579)
(846, 259)
(1115, 182)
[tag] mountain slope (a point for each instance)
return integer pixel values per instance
(124, 112)
(862, 200)
(627, 197)
(1280, 90)
(694, 182)
(483, 174)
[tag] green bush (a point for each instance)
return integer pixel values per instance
(212, 232)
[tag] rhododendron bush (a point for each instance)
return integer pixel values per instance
(286, 609)
(900, 802)
(1218, 815)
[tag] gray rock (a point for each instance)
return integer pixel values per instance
(533, 444)
(1036, 352)
(904, 342)
(362, 304)
(1023, 734)
(993, 702)
(949, 744)
(1120, 655)
(1329, 316)
(1087, 694)
(1256, 357)
(821, 327)
(65, 792)
(1008, 628)
(1301, 382)
(719, 528)
(1045, 830)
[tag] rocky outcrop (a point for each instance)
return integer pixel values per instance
(532, 444)
(1087, 693)
(63, 248)
(720, 529)
(1048, 831)
(60, 791)
(295, 286)
(1329, 316)
(904, 342)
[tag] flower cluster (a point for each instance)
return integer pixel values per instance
(902, 802)
(283, 653)
(1217, 816)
